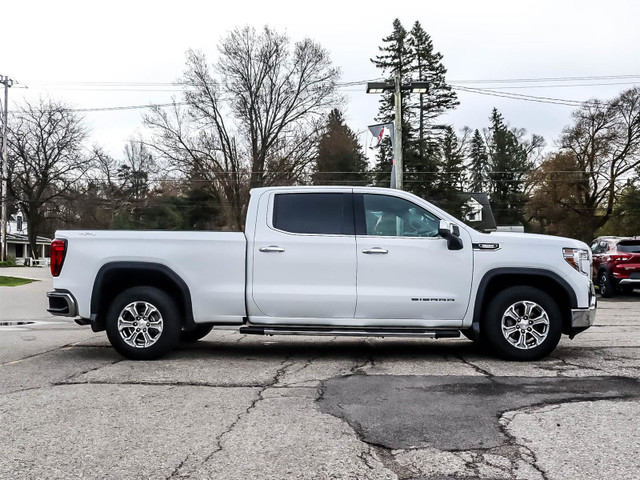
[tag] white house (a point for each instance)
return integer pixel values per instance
(18, 242)
(478, 211)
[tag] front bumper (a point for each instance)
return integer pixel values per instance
(583, 318)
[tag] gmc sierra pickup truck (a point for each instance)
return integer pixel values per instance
(327, 261)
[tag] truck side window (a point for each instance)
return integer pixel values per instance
(320, 213)
(389, 216)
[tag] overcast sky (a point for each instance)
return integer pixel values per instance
(66, 49)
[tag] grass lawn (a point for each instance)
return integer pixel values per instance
(13, 281)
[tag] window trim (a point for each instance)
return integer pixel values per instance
(348, 212)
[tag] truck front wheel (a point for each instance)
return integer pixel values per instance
(143, 323)
(522, 323)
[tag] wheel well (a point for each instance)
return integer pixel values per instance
(113, 279)
(555, 288)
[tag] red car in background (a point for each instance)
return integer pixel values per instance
(616, 264)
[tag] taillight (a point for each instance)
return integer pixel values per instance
(620, 258)
(58, 251)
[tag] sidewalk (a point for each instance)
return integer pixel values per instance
(26, 302)
(36, 273)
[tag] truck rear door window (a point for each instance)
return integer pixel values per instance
(320, 213)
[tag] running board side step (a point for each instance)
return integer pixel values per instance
(352, 332)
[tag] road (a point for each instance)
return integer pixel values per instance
(239, 407)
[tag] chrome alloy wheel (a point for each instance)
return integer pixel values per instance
(140, 324)
(525, 324)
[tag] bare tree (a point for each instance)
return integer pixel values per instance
(253, 118)
(46, 159)
(605, 143)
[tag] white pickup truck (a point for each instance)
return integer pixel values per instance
(327, 261)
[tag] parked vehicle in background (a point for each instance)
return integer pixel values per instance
(616, 264)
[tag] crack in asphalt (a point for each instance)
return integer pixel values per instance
(28, 357)
(258, 398)
(389, 461)
(176, 383)
(84, 372)
(503, 424)
(474, 366)
(177, 469)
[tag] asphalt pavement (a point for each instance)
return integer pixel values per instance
(238, 407)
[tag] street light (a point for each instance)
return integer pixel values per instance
(397, 87)
(378, 87)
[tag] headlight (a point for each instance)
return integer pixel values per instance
(579, 259)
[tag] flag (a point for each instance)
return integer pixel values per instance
(378, 131)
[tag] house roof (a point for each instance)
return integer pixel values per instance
(488, 222)
(22, 238)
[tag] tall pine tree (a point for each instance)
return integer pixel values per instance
(451, 172)
(340, 159)
(510, 166)
(412, 54)
(393, 57)
(478, 165)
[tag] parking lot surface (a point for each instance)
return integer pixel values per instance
(237, 407)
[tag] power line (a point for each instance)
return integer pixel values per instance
(547, 79)
(359, 82)
(572, 85)
(518, 96)
(455, 85)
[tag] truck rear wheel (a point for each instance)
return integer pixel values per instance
(522, 323)
(143, 323)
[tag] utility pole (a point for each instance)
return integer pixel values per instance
(7, 82)
(397, 154)
(397, 87)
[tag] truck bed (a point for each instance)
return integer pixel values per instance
(212, 264)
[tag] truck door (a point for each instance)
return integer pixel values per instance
(304, 258)
(405, 269)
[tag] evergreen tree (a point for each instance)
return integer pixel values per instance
(426, 65)
(509, 163)
(340, 159)
(451, 173)
(393, 58)
(412, 54)
(478, 165)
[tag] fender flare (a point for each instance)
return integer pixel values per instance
(145, 268)
(537, 273)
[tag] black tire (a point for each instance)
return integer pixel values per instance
(190, 336)
(605, 284)
(162, 325)
(542, 326)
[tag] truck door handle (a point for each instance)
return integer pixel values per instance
(272, 248)
(377, 250)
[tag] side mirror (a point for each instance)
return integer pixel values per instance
(451, 232)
